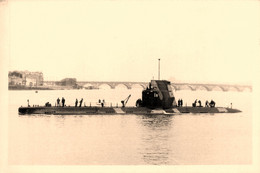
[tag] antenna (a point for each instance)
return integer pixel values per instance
(159, 69)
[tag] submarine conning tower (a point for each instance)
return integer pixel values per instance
(158, 94)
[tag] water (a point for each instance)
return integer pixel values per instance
(129, 139)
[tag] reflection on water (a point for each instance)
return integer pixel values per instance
(155, 138)
(154, 122)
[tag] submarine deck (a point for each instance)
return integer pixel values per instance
(120, 110)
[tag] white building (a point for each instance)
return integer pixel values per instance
(30, 81)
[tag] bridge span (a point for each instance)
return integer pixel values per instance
(176, 86)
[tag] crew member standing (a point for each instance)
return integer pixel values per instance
(206, 103)
(212, 104)
(199, 103)
(76, 103)
(80, 102)
(58, 101)
(63, 101)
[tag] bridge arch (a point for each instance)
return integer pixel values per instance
(234, 88)
(105, 86)
(122, 84)
(186, 87)
(202, 87)
(139, 86)
(218, 88)
(89, 85)
(246, 89)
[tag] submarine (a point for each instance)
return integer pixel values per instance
(157, 99)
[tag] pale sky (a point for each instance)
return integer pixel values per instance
(197, 41)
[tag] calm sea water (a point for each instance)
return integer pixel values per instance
(129, 139)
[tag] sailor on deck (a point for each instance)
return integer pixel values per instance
(80, 102)
(206, 103)
(58, 101)
(212, 104)
(76, 103)
(63, 101)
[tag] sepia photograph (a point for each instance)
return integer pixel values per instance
(129, 86)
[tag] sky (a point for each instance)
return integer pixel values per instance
(112, 40)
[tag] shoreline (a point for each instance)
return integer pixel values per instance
(28, 88)
(47, 88)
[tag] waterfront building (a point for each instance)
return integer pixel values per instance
(25, 78)
(15, 80)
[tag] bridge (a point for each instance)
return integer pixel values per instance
(176, 86)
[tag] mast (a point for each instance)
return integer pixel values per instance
(159, 69)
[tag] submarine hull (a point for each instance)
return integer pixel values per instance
(120, 110)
